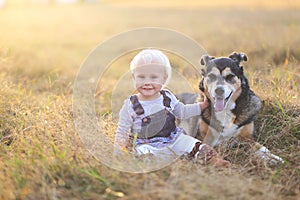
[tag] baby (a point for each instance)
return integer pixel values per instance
(147, 119)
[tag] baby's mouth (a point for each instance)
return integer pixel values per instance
(147, 88)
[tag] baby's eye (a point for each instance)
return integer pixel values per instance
(141, 76)
(153, 77)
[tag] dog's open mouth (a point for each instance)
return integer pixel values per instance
(220, 103)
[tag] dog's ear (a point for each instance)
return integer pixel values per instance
(205, 59)
(238, 57)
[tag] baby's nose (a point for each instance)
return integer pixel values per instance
(147, 81)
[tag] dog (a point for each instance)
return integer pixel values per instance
(233, 106)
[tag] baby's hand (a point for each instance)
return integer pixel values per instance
(204, 104)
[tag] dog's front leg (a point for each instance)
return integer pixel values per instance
(260, 150)
(266, 155)
(230, 132)
(212, 137)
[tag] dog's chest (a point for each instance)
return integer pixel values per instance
(226, 118)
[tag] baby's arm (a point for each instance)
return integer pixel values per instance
(185, 111)
(123, 130)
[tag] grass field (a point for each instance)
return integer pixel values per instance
(41, 50)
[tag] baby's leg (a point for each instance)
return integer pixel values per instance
(207, 155)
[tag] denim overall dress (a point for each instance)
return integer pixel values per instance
(158, 134)
(159, 124)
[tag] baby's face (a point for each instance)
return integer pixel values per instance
(149, 79)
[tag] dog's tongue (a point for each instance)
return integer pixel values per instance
(219, 105)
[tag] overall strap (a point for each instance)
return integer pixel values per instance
(167, 100)
(136, 105)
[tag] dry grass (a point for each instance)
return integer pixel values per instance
(41, 154)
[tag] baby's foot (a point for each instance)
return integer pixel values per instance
(219, 162)
(208, 156)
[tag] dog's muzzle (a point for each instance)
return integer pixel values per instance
(219, 100)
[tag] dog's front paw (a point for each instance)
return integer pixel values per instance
(266, 155)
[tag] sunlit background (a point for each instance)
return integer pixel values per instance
(272, 4)
(42, 46)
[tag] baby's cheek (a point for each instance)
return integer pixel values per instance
(159, 81)
(137, 85)
(139, 82)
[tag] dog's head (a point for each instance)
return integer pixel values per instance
(223, 79)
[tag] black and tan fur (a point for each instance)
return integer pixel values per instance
(233, 106)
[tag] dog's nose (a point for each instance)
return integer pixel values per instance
(219, 91)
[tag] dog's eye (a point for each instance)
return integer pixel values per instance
(212, 77)
(230, 78)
